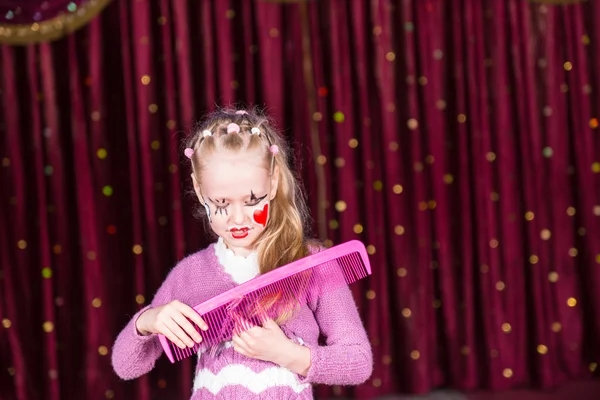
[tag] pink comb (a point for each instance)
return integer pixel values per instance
(285, 287)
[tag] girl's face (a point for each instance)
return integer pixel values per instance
(237, 189)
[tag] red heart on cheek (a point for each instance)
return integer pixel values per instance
(260, 216)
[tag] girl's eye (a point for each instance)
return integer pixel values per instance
(255, 201)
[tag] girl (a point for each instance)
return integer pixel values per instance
(252, 202)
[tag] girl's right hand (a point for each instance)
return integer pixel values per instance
(171, 320)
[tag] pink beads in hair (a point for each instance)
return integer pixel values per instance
(233, 128)
(188, 153)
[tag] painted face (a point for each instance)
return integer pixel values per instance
(237, 190)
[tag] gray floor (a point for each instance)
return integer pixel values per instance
(435, 395)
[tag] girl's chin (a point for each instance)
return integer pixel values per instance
(240, 249)
(238, 242)
(241, 240)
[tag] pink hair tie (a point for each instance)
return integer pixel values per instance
(274, 149)
(233, 128)
(241, 112)
(188, 153)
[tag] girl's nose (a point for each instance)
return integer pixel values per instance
(237, 215)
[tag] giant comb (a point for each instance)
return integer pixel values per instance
(273, 294)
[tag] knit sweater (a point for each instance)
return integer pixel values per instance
(345, 357)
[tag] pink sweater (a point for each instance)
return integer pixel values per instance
(344, 359)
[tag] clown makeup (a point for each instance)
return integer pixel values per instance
(259, 214)
(207, 209)
(254, 199)
(238, 189)
(221, 206)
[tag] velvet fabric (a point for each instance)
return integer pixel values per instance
(457, 139)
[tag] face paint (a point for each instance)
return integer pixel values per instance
(255, 200)
(207, 209)
(261, 216)
(221, 206)
(239, 233)
(240, 184)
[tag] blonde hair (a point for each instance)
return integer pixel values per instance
(284, 238)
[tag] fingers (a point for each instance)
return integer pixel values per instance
(190, 313)
(171, 333)
(181, 334)
(187, 327)
(270, 324)
(240, 346)
(172, 321)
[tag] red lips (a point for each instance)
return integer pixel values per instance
(239, 233)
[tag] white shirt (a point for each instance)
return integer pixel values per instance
(241, 269)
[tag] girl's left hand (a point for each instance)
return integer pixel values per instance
(269, 343)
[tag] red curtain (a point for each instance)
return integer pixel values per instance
(457, 139)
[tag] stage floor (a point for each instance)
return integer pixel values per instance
(581, 390)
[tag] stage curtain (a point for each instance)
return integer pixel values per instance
(458, 140)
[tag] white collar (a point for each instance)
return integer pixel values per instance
(240, 268)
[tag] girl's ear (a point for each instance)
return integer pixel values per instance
(274, 182)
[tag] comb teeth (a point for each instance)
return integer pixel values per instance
(282, 296)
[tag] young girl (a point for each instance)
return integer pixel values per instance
(252, 202)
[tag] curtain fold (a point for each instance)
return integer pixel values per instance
(457, 139)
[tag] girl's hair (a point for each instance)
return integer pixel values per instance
(284, 238)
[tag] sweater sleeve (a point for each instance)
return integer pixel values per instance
(346, 358)
(134, 355)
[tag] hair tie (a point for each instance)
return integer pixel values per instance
(241, 112)
(233, 128)
(255, 131)
(206, 133)
(188, 153)
(274, 149)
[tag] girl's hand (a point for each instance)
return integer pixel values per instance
(269, 343)
(171, 320)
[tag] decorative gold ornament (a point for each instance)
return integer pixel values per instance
(51, 29)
